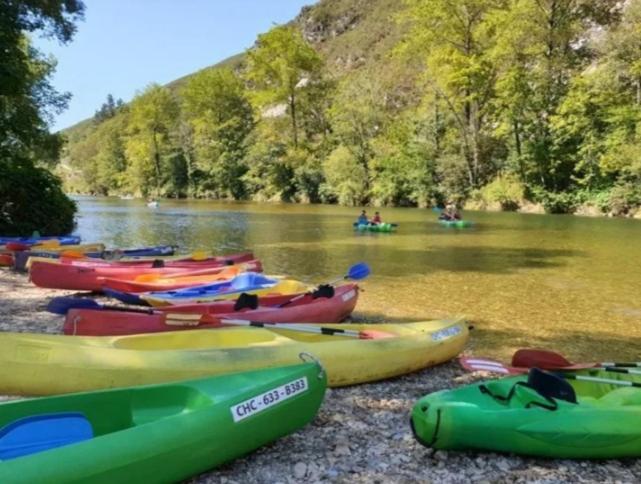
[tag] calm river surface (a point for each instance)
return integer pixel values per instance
(562, 282)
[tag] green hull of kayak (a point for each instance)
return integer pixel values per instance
(604, 424)
(384, 227)
(459, 224)
(167, 433)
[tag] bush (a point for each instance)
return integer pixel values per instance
(507, 190)
(624, 198)
(563, 202)
(345, 177)
(31, 199)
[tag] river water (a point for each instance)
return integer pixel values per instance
(560, 282)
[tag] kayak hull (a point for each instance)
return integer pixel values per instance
(457, 224)
(168, 433)
(603, 425)
(382, 227)
(186, 278)
(91, 278)
(89, 322)
(62, 239)
(31, 364)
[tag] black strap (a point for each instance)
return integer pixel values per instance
(552, 403)
(551, 385)
(324, 290)
(158, 263)
(246, 301)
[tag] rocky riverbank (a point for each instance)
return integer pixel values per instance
(361, 433)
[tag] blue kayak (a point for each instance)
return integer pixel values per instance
(248, 281)
(21, 258)
(63, 239)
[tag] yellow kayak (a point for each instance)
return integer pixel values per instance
(196, 295)
(42, 364)
(56, 249)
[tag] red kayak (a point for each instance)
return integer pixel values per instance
(188, 262)
(84, 278)
(101, 322)
(187, 278)
(6, 259)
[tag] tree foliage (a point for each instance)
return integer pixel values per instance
(500, 99)
(30, 197)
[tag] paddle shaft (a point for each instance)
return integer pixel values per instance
(300, 327)
(595, 379)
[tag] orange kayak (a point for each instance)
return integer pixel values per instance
(189, 278)
(88, 278)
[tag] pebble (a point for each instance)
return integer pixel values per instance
(300, 469)
(360, 434)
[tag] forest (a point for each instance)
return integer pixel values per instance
(489, 103)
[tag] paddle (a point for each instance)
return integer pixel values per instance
(357, 272)
(194, 319)
(38, 433)
(596, 379)
(62, 304)
(547, 359)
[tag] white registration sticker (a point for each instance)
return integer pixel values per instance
(349, 295)
(445, 333)
(268, 399)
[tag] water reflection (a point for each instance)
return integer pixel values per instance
(525, 280)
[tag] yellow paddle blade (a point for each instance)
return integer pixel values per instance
(49, 243)
(177, 319)
(72, 253)
(199, 255)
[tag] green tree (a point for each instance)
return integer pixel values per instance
(149, 146)
(453, 38)
(279, 67)
(27, 101)
(221, 117)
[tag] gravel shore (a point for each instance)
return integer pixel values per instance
(361, 433)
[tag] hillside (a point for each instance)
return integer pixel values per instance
(388, 102)
(350, 34)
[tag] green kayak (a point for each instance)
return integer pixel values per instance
(459, 224)
(157, 433)
(382, 227)
(514, 415)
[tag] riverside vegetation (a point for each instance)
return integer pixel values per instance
(393, 103)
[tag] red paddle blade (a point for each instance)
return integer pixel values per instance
(537, 358)
(546, 360)
(491, 366)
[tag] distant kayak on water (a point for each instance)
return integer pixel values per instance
(455, 223)
(153, 204)
(382, 227)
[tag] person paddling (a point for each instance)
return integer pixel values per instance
(362, 219)
(376, 219)
(450, 213)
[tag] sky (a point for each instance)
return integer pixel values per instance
(124, 45)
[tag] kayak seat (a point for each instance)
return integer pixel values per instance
(151, 404)
(246, 301)
(621, 397)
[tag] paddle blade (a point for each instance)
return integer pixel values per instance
(61, 304)
(536, 358)
(358, 271)
(375, 334)
(43, 432)
(491, 366)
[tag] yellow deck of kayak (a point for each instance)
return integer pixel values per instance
(284, 286)
(40, 364)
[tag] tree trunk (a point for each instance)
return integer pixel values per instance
(292, 110)
(156, 162)
(517, 144)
